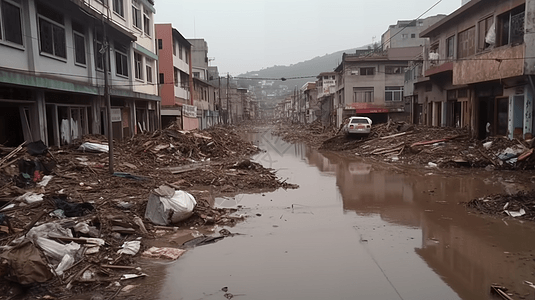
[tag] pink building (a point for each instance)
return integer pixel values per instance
(176, 82)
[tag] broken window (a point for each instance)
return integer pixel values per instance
(51, 32)
(466, 44)
(10, 22)
(367, 71)
(484, 26)
(362, 95)
(510, 29)
(393, 93)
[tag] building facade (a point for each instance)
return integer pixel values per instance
(372, 85)
(52, 70)
(175, 80)
(478, 69)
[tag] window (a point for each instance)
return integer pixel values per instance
(121, 60)
(51, 32)
(413, 36)
(174, 47)
(367, 71)
(450, 47)
(146, 22)
(180, 51)
(484, 26)
(186, 53)
(148, 70)
(404, 36)
(362, 95)
(79, 44)
(176, 76)
(10, 22)
(99, 53)
(393, 93)
(118, 7)
(160, 44)
(138, 64)
(136, 14)
(196, 74)
(510, 29)
(184, 80)
(466, 46)
(162, 78)
(393, 69)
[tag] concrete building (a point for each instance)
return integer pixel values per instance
(480, 69)
(176, 82)
(199, 58)
(372, 85)
(326, 86)
(407, 33)
(52, 70)
(309, 95)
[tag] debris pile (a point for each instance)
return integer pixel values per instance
(67, 224)
(520, 205)
(422, 145)
(313, 134)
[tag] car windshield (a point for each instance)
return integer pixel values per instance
(359, 121)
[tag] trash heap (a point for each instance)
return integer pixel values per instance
(313, 134)
(68, 225)
(520, 205)
(435, 147)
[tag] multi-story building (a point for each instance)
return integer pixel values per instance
(309, 94)
(199, 58)
(406, 33)
(52, 69)
(372, 85)
(326, 85)
(480, 66)
(176, 82)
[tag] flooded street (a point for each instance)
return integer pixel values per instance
(358, 230)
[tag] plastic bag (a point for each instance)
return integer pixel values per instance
(56, 251)
(165, 210)
(65, 264)
(130, 248)
(93, 147)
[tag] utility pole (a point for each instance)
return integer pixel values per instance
(220, 108)
(107, 95)
(229, 111)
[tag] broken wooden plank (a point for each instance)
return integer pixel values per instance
(525, 155)
(486, 156)
(436, 141)
(394, 135)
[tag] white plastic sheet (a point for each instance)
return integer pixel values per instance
(165, 210)
(130, 248)
(93, 147)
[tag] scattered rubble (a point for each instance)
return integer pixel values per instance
(400, 142)
(68, 225)
(519, 206)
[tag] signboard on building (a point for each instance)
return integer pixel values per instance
(189, 111)
(116, 115)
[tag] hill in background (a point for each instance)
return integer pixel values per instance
(309, 69)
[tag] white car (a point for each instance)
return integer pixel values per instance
(358, 125)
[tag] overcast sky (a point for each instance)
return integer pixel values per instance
(248, 35)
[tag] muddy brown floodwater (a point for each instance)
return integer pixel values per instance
(359, 230)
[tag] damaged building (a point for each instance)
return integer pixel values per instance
(478, 70)
(52, 79)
